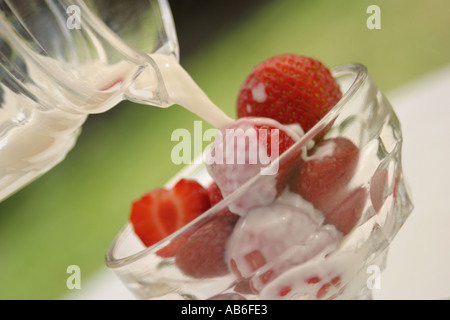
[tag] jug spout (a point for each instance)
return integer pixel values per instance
(147, 85)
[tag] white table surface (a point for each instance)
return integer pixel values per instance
(418, 264)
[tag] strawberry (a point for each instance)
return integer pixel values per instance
(290, 89)
(170, 250)
(378, 184)
(159, 213)
(242, 150)
(202, 255)
(323, 180)
(345, 215)
(329, 168)
(214, 194)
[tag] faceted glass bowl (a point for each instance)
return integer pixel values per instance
(364, 116)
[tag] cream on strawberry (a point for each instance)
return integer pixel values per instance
(246, 148)
(272, 239)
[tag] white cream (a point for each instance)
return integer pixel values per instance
(287, 233)
(183, 90)
(325, 150)
(259, 93)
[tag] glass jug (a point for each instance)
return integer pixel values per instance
(62, 60)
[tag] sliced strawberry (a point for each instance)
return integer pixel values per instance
(215, 196)
(161, 212)
(290, 89)
(202, 255)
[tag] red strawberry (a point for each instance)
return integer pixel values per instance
(346, 214)
(377, 188)
(323, 180)
(215, 196)
(171, 249)
(242, 150)
(202, 255)
(161, 212)
(328, 171)
(290, 89)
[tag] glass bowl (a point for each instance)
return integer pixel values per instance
(351, 270)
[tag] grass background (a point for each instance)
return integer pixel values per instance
(71, 214)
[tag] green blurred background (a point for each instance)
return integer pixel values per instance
(71, 214)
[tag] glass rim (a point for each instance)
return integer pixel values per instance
(360, 75)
